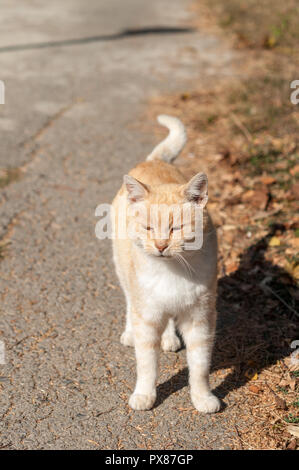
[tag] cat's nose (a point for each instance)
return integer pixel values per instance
(161, 245)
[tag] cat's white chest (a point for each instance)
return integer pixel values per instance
(168, 289)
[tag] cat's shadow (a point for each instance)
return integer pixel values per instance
(256, 322)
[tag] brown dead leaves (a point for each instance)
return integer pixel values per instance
(257, 198)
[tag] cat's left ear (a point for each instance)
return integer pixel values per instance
(197, 189)
(137, 191)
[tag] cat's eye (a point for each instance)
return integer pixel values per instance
(148, 228)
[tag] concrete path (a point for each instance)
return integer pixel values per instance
(78, 78)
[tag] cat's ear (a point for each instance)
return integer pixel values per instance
(197, 189)
(137, 191)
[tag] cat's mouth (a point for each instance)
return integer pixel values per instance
(165, 256)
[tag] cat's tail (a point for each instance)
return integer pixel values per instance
(170, 147)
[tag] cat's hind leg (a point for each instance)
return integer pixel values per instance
(170, 341)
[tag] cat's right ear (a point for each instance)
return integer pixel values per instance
(137, 191)
(197, 189)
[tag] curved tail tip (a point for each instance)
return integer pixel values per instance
(172, 145)
(162, 118)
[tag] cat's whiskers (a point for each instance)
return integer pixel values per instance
(185, 264)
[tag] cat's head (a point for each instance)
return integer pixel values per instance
(165, 220)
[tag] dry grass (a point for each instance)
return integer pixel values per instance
(9, 175)
(258, 24)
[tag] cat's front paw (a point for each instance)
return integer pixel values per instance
(127, 338)
(142, 402)
(206, 403)
(170, 343)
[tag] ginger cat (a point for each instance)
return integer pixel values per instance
(165, 283)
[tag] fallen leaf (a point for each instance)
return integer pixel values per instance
(292, 384)
(294, 242)
(295, 191)
(294, 170)
(257, 198)
(248, 195)
(233, 158)
(231, 268)
(267, 179)
(292, 269)
(251, 374)
(237, 176)
(292, 444)
(275, 241)
(254, 388)
(185, 96)
(280, 403)
(294, 224)
(270, 41)
(228, 227)
(281, 165)
(284, 383)
(293, 429)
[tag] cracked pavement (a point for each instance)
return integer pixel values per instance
(72, 125)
